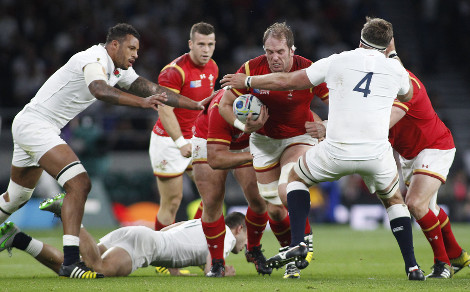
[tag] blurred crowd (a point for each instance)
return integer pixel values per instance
(38, 37)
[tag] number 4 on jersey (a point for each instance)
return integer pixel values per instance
(366, 80)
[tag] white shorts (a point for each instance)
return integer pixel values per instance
(199, 149)
(433, 162)
(141, 243)
(32, 138)
(166, 158)
(377, 174)
(267, 151)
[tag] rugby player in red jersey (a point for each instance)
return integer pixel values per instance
(283, 138)
(426, 150)
(192, 75)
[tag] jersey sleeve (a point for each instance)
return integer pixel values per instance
(316, 72)
(172, 77)
(321, 90)
(242, 69)
(94, 56)
(219, 131)
(405, 106)
(128, 77)
(404, 82)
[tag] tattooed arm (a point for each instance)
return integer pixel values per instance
(102, 91)
(143, 87)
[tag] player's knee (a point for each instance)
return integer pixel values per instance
(277, 212)
(417, 207)
(70, 175)
(15, 197)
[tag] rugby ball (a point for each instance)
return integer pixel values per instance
(245, 104)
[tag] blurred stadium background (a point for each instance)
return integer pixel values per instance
(432, 37)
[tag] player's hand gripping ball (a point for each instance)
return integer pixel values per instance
(245, 104)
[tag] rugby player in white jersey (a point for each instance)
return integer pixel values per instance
(88, 75)
(363, 84)
(126, 249)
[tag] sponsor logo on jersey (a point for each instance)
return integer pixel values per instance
(195, 83)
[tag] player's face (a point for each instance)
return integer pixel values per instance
(241, 238)
(127, 52)
(201, 48)
(278, 54)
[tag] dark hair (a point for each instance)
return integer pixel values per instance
(377, 31)
(120, 31)
(234, 219)
(280, 31)
(202, 28)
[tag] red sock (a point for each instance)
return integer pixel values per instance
(255, 225)
(215, 236)
(308, 228)
(432, 230)
(452, 247)
(198, 214)
(159, 225)
(281, 230)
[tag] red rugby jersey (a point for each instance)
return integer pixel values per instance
(210, 125)
(188, 79)
(420, 128)
(288, 110)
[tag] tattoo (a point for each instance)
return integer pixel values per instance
(144, 88)
(106, 93)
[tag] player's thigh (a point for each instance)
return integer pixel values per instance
(317, 166)
(246, 178)
(210, 182)
(116, 262)
(296, 149)
(380, 175)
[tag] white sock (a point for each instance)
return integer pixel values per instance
(70, 240)
(34, 247)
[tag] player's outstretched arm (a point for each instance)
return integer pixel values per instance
(144, 87)
(102, 91)
(275, 81)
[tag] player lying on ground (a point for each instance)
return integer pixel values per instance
(126, 249)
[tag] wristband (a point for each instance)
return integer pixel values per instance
(392, 54)
(180, 142)
(325, 123)
(239, 125)
(248, 81)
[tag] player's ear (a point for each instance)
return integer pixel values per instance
(239, 229)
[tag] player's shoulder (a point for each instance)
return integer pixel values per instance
(256, 65)
(301, 62)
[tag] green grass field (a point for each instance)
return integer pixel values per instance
(344, 260)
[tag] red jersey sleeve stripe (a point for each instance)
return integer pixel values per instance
(218, 141)
(416, 81)
(401, 105)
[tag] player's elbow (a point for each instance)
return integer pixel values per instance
(98, 89)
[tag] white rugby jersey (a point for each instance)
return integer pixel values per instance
(185, 245)
(65, 94)
(363, 85)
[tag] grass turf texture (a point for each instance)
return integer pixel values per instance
(344, 260)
